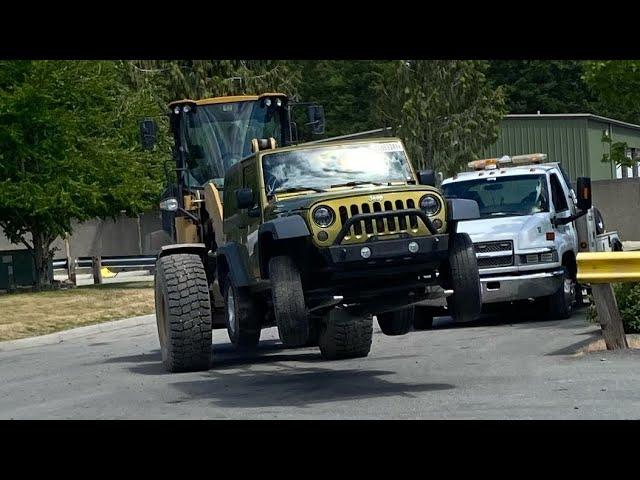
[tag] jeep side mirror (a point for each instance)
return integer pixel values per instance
(244, 198)
(584, 193)
(427, 177)
(316, 119)
(148, 133)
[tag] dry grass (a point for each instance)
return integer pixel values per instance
(598, 345)
(29, 314)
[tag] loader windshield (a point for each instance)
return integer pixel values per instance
(218, 136)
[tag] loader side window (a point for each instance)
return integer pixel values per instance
(558, 197)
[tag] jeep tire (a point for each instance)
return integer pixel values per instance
(423, 318)
(183, 313)
(242, 316)
(397, 322)
(343, 335)
(461, 273)
(289, 307)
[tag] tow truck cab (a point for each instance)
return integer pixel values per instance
(532, 224)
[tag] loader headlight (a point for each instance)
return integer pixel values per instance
(169, 205)
(430, 204)
(323, 216)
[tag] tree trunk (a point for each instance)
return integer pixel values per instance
(42, 256)
(609, 316)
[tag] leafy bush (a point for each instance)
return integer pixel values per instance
(628, 298)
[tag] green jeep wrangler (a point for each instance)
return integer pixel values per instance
(317, 239)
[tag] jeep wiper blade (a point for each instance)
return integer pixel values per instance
(354, 184)
(298, 189)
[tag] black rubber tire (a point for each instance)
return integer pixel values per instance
(289, 306)
(462, 276)
(598, 219)
(247, 313)
(183, 313)
(398, 322)
(423, 318)
(558, 307)
(314, 332)
(343, 335)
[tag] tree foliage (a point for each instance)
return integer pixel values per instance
(548, 86)
(445, 110)
(69, 150)
(616, 86)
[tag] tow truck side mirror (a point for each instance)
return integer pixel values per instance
(584, 193)
(244, 198)
(148, 133)
(427, 177)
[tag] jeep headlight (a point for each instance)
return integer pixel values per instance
(323, 216)
(430, 204)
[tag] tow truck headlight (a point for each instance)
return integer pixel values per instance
(430, 204)
(323, 216)
(545, 257)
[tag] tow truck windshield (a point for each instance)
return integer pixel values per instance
(503, 196)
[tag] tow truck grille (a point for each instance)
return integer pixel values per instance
(380, 226)
(494, 254)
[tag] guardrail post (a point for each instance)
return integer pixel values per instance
(96, 266)
(609, 316)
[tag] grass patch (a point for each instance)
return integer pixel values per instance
(30, 314)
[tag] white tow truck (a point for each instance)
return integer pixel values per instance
(532, 226)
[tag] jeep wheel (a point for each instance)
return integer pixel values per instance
(242, 316)
(462, 276)
(560, 304)
(423, 318)
(398, 322)
(289, 306)
(183, 313)
(343, 335)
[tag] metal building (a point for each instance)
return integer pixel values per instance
(573, 139)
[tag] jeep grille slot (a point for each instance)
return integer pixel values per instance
(391, 222)
(368, 224)
(402, 221)
(413, 220)
(357, 227)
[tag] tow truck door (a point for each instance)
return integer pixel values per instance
(563, 207)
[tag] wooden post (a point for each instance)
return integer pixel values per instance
(96, 266)
(71, 262)
(609, 316)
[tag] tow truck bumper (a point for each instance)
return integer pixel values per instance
(506, 288)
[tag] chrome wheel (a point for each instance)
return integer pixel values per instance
(232, 322)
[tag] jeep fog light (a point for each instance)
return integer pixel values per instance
(414, 247)
(365, 252)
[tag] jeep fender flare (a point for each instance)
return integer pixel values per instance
(277, 233)
(232, 258)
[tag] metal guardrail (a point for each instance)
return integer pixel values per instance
(116, 262)
(608, 267)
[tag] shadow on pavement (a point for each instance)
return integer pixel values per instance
(296, 386)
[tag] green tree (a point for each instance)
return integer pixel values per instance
(548, 86)
(445, 110)
(616, 86)
(69, 150)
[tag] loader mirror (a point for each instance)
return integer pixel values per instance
(584, 193)
(316, 119)
(427, 177)
(148, 133)
(244, 198)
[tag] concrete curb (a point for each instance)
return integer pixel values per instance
(65, 335)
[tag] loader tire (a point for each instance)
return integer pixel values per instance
(183, 313)
(343, 335)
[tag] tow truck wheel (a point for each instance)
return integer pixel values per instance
(560, 304)
(183, 313)
(423, 318)
(461, 275)
(289, 306)
(242, 316)
(343, 335)
(398, 322)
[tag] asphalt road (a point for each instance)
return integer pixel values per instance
(491, 369)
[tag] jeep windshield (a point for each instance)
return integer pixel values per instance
(326, 167)
(503, 196)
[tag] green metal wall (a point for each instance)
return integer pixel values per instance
(563, 140)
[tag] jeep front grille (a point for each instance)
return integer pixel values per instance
(379, 226)
(494, 254)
